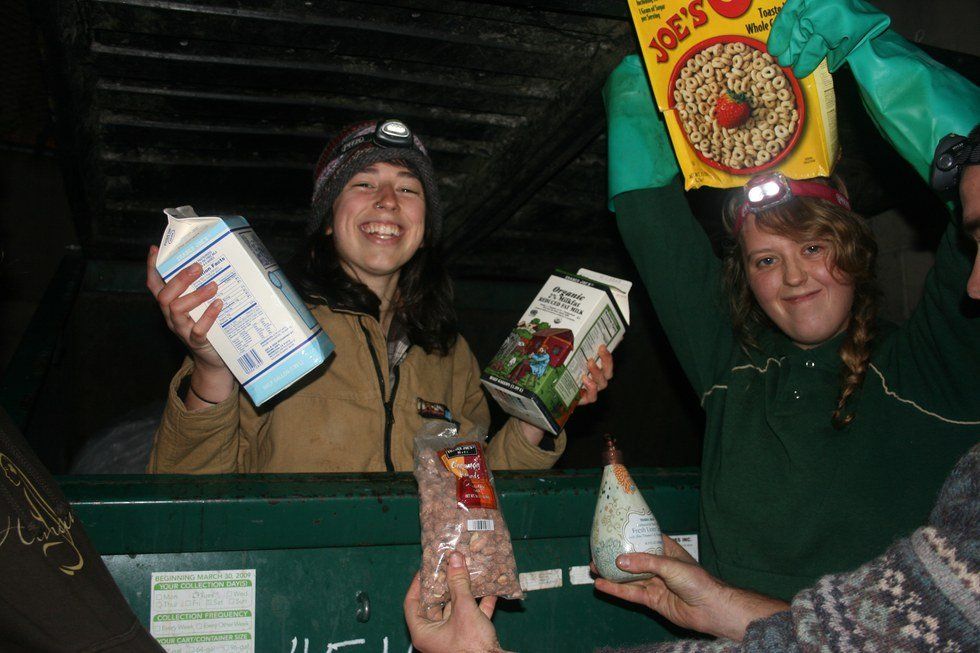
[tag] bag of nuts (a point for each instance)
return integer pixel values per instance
(458, 509)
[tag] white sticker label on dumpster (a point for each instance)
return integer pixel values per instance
(540, 580)
(204, 611)
(689, 544)
(580, 575)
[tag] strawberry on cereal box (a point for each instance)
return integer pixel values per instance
(732, 109)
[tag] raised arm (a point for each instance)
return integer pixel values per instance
(199, 427)
(670, 249)
(941, 340)
(913, 100)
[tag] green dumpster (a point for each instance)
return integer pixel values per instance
(333, 555)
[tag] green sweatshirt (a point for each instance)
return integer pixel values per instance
(785, 497)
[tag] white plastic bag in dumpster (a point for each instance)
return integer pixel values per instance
(264, 333)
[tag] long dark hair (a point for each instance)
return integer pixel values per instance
(423, 304)
(854, 253)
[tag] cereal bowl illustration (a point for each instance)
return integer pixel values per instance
(740, 111)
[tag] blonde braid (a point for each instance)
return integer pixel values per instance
(855, 353)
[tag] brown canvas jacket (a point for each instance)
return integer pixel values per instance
(334, 420)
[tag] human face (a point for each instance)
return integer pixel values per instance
(797, 285)
(970, 200)
(378, 224)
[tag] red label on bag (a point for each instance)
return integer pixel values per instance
(468, 464)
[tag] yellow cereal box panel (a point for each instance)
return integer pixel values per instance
(732, 111)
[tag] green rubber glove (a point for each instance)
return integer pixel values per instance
(913, 100)
(807, 31)
(640, 154)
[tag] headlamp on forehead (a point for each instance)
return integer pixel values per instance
(361, 145)
(393, 133)
(387, 133)
(953, 153)
(772, 189)
(768, 191)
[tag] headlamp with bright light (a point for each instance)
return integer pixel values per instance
(772, 189)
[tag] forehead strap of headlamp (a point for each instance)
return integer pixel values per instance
(790, 188)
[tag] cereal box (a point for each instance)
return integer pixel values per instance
(732, 111)
(264, 332)
(537, 373)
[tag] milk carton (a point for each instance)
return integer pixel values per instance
(537, 373)
(264, 333)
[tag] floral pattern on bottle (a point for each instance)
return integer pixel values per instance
(624, 479)
(623, 523)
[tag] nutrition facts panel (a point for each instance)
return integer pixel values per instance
(257, 339)
(602, 331)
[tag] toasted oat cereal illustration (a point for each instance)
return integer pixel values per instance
(740, 111)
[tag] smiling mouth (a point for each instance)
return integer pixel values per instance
(801, 298)
(381, 230)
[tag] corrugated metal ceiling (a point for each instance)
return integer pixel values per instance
(225, 104)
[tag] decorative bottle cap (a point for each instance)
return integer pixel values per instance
(611, 455)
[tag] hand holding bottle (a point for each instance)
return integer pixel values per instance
(687, 595)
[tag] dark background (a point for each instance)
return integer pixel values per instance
(111, 110)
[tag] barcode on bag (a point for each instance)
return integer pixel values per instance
(479, 525)
(249, 361)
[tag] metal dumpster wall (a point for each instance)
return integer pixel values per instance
(318, 541)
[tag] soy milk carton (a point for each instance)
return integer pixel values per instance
(732, 111)
(264, 333)
(537, 373)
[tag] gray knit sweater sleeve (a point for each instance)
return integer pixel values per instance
(923, 594)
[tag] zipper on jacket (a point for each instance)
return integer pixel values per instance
(387, 404)
(390, 420)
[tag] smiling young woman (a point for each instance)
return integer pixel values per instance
(382, 211)
(372, 272)
(807, 268)
(827, 431)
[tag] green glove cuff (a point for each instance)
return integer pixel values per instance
(640, 154)
(913, 100)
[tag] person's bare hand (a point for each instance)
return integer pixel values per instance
(211, 382)
(600, 373)
(687, 595)
(463, 626)
(176, 309)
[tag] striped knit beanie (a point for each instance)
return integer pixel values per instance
(356, 148)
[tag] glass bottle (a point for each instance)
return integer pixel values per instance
(623, 522)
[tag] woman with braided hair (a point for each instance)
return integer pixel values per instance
(829, 232)
(828, 431)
